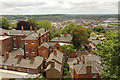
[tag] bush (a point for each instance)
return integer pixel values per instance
(74, 63)
(97, 38)
(66, 65)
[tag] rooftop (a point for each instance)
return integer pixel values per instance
(4, 37)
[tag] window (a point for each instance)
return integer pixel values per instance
(32, 42)
(26, 42)
(94, 75)
(14, 38)
(26, 50)
(33, 51)
(14, 44)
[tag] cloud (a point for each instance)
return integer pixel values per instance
(59, 7)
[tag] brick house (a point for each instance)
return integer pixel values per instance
(24, 55)
(87, 67)
(46, 48)
(6, 44)
(16, 62)
(55, 65)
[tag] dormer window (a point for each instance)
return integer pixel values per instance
(26, 42)
(32, 42)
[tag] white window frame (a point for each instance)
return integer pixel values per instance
(14, 44)
(26, 42)
(14, 38)
(32, 50)
(26, 50)
(94, 75)
(32, 42)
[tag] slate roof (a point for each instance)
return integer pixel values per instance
(51, 43)
(57, 67)
(57, 58)
(24, 32)
(63, 39)
(14, 53)
(32, 36)
(95, 65)
(23, 63)
(45, 44)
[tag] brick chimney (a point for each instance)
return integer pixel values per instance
(83, 60)
(19, 58)
(80, 57)
(78, 61)
(22, 28)
(35, 29)
(30, 28)
(32, 59)
(65, 34)
(52, 64)
(45, 29)
(88, 67)
(6, 56)
(55, 52)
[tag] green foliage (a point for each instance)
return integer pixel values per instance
(5, 24)
(68, 28)
(97, 38)
(33, 21)
(88, 31)
(67, 49)
(80, 36)
(110, 54)
(93, 34)
(74, 63)
(44, 23)
(100, 29)
(66, 65)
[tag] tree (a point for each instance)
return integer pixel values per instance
(88, 31)
(67, 49)
(33, 21)
(25, 24)
(110, 55)
(44, 23)
(93, 34)
(80, 37)
(100, 29)
(68, 28)
(5, 23)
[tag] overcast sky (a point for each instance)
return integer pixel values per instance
(22, 7)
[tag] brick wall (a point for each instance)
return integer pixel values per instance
(6, 45)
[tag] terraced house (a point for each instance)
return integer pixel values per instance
(20, 49)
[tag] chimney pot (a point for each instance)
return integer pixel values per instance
(65, 34)
(88, 67)
(22, 28)
(52, 64)
(55, 52)
(45, 29)
(6, 56)
(35, 28)
(30, 28)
